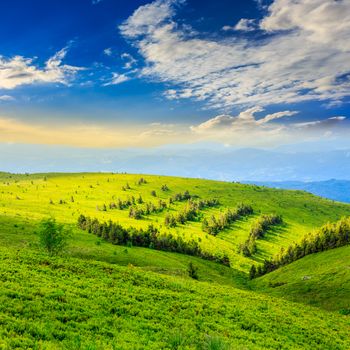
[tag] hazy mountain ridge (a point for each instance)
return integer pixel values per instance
(338, 190)
(227, 164)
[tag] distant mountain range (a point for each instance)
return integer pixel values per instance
(205, 161)
(338, 190)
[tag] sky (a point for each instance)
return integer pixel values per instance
(109, 74)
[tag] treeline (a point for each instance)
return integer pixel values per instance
(149, 238)
(138, 212)
(149, 208)
(190, 212)
(329, 236)
(219, 223)
(180, 197)
(121, 204)
(258, 230)
(125, 204)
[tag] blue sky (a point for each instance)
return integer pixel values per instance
(124, 74)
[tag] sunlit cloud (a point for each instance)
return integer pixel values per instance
(89, 134)
(321, 124)
(246, 129)
(18, 70)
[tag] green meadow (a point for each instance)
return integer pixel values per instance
(98, 295)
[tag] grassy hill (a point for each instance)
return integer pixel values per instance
(69, 303)
(321, 280)
(104, 296)
(34, 197)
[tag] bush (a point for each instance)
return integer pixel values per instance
(192, 271)
(53, 236)
(215, 343)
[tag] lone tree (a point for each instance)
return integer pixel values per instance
(192, 271)
(252, 272)
(53, 236)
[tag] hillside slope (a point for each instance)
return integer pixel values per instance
(69, 303)
(321, 280)
(66, 196)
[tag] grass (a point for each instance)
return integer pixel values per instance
(70, 303)
(321, 280)
(103, 296)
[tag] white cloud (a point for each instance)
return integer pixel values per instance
(6, 98)
(130, 61)
(18, 70)
(244, 25)
(117, 79)
(108, 51)
(306, 57)
(245, 129)
(324, 22)
(244, 121)
(321, 124)
(147, 18)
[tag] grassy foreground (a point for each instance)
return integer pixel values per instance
(69, 303)
(103, 296)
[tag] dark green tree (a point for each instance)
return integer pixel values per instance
(53, 237)
(252, 272)
(192, 271)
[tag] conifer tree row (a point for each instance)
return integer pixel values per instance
(149, 238)
(190, 212)
(219, 223)
(329, 236)
(138, 212)
(258, 230)
(150, 207)
(125, 204)
(180, 197)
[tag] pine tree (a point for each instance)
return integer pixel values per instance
(252, 272)
(192, 271)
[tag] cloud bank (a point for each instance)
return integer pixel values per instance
(302, 54)
(242, 130)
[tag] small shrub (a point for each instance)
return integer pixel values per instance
(215, 343)
(192, 271)
(52, 236)
(176, 340)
